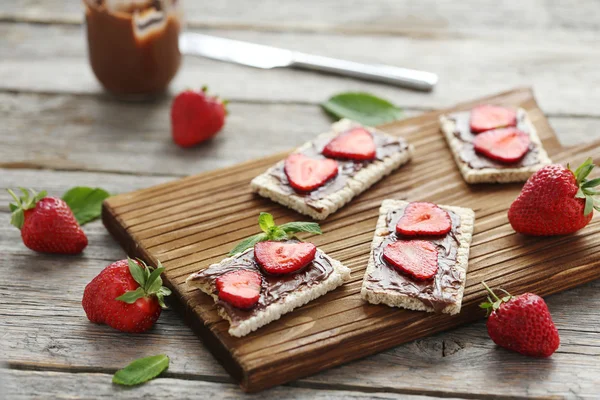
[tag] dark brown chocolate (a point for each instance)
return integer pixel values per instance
(462, 131)
(385, 147)
(274, 287)
(430, 292)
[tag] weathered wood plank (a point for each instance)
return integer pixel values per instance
(428, 17)
(83, 132)
(25, 384)
(88, 133)
(459, 362)
(313, 336)
(463, 358)
(559, 67)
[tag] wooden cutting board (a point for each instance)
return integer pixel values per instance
(193, 222)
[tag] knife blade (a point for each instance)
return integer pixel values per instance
(267, 57)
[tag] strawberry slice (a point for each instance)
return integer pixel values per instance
(306, 174)
(506, 145)
(284, 257)
(486, 117)
(417, 258)
(240, 288)
(423, 218)
(355, 144)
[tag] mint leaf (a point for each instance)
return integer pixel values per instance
(85, 202)
(295, 227)
(131, 296)
(362, 107)
(277, 234)
(141, 370)
(248, 242)
(265, 221)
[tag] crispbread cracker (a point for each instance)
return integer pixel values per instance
(494, 175)
(395, 299)
(267, 185)
(275, 310)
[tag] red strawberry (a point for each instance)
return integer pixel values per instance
(284, 257)
(47, 223)
(127, 295)
(355, 144)
(486, 117)
(417, 258)
(240, 288)
(522, 324)
(505, 145)
(422, 218)
(196, 117)
(306, 174)
(555, 201)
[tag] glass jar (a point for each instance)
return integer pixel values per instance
(133, 44)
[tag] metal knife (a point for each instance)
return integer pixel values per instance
(267, 57)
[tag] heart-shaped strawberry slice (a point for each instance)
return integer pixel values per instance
(507, 145)
(416, 258)
(240, 288)
(486, 117)
(421, 218)
(306, 174)
(284, 257)
(355, 144)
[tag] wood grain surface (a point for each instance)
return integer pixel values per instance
(191, 223)
(48, 94)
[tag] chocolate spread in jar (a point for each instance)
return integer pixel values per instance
(385, 147)
(133, 44)
(274, 287)
(430, 292)
(462, 132)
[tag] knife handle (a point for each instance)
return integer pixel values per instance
(409, 78)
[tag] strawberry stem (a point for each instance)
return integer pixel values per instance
(490, 291)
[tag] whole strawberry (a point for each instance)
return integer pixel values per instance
(196, 117)
(127, 295)
(555, 201)
(47, 224)
(522, 324)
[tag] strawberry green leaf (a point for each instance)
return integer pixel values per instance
(155, 282)
(589, 205)
(137, 272)
(265, 221)
(295, 227)
(131, 296)
(248, 243)
(591, 183)
(362, 107)
(161, 300)
(17, 218)
(141, 370)
(85, 202)
(25, 202)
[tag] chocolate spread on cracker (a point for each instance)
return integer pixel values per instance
(274, 287)
(385, 147)
(431, 292)
(462, 131)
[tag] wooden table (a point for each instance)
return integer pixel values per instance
(59, 130)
